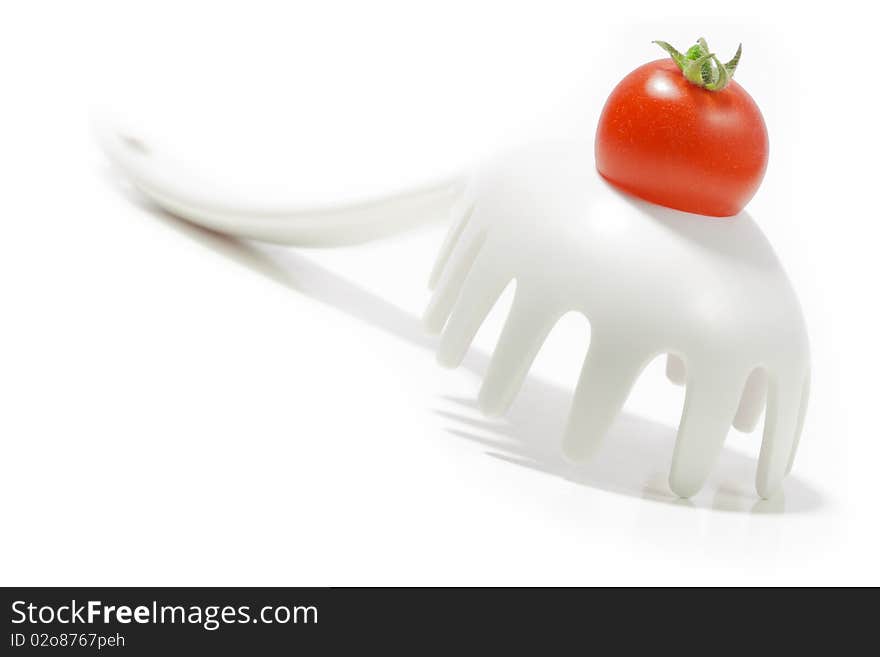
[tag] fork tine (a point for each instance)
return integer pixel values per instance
(802, 413)
(481, 290)
(461, 217)
(609, 372)
(784, 403)
(450, 284)
(752, 402)
(710, 404)
(524, 332)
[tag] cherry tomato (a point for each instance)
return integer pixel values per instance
(674, 143)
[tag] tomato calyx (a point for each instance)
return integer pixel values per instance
(701, 66)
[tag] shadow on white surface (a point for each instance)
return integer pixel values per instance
(633, 461)
(635, 455)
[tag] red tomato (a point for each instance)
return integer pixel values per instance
(676, 144)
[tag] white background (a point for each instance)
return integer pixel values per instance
(179, 408)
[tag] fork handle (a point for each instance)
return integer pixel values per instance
(170, 186)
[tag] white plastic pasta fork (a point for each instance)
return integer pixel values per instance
(709, 292)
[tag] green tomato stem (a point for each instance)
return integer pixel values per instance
(700, 66)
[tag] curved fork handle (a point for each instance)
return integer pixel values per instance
(172, 188)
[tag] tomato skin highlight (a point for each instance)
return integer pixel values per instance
(672, 143)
